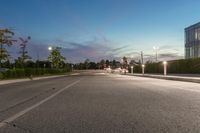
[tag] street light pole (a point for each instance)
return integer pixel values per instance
(156, 56)
(50, 49)
(131, 69)
(142, 57)
(165, 67)
(72, 67)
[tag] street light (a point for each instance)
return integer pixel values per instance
(131, 69)
(72, 67)
(165, 67)
(143, 66)
(156, 49)
(50, 48)
(121, 61)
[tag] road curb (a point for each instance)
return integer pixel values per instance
(185, 79)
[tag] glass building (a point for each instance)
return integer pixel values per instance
(192, 41)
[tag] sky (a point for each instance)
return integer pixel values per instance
(97, 29)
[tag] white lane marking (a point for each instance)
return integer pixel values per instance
(12, 118)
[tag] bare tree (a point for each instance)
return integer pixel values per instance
(24, 53)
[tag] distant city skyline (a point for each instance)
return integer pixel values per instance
(101, 29)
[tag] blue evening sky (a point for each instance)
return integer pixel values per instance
(98, 29)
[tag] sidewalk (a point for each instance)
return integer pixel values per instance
(9, 81)
(179, 77)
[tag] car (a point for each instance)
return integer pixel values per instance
(124, 71)
(117, 70)
(108, 69)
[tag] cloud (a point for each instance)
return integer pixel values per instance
(175, 48)
(119, 48)
(171, 56)
(94, 49)
(165, 47)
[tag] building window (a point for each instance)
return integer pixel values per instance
(198, 34)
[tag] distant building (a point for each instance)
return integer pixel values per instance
(192, 41)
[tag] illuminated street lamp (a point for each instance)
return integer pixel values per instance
(131, 69)
(72, 67)
(50, 48)
(143, 66)
(165, 67)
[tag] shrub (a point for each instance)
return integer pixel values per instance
(27, 72)
(183, 66)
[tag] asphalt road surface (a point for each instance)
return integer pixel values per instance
(91, 102)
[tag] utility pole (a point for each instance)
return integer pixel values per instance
(142, 57)
(156, 50)
(156, 56)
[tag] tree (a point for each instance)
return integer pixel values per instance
(107, 63)
(114, 64)
(56, 58)
(87, 61)
(102, 63)
(24, 53)
(18, 63)
(5, 40)
(30, 64)
(125, 62)
(6, 64)
(92, 65)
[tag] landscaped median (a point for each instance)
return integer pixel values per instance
(31, 72)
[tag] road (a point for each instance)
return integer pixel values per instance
(91, 102)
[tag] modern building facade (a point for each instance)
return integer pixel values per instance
(192, 41)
